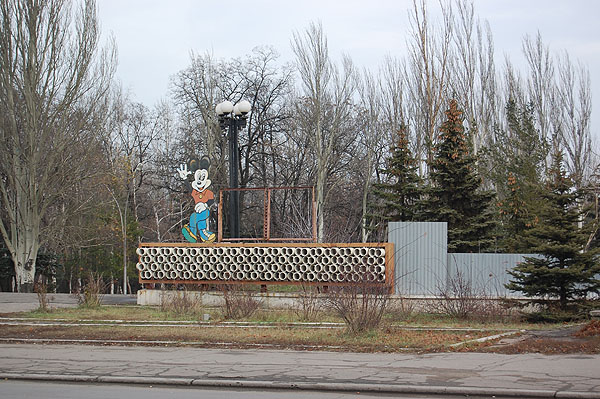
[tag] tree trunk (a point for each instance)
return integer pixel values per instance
(25, 276)
(320, 200)
(563, 298)
(24, 255)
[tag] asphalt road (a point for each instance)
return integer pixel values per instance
(444, 373)
(216, 372)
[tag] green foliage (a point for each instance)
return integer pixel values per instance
(402, 190)
(514, 163)
(7, 269)
(565, 270)
(455, 194)
(48, 265)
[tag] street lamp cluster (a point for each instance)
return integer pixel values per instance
(231, 119)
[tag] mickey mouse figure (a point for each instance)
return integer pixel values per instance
(197, 229)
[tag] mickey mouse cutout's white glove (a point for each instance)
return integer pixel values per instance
(183, 171)
(200, 207)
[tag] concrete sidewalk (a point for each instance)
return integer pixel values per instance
(524, 375)
(23, 302)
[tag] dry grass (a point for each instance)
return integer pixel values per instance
(408, 319)
(330, 339)
(361, 306)
(238, 303)
(91, 295)
(180, 303)
(309, 305)
(393, 338)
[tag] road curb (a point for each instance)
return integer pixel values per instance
(333, 387)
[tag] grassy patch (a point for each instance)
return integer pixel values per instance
(416, 332)
(330, 339)
(154, 313)
(119, 312)
(437, 320)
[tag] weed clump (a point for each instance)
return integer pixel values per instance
(41, 289)
(309, 304)
(458, 298)
(361, 305)
(91, 294)
(180, 303)
(238, 302)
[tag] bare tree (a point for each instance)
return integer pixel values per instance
(393, 89)
(53, 81)
(427, 75)
(472, 72)
(129, 150)
(559, 93)
(162, 213)
(371, 144)
(325, 108)
(256, 78)
(574, 98)
(266, 87)
(196, 91)
(541, 84)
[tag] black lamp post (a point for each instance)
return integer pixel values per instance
(233, 118)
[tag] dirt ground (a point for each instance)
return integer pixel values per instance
(583, 338)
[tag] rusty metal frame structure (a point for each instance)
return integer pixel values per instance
(267, 215)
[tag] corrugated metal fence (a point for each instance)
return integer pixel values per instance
(424, 266)
(420, 257)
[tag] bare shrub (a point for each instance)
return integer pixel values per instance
(91, 294)
(361, 304)
(459, 299)
(180, 303)
(41, 289)
(401, 309)
(309, 304)
(238, 302)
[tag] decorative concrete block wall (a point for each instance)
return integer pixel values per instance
(325, 264)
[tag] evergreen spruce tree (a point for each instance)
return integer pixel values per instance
(517, 215)
(455, 194)
(564, 270)
(399, 194)
(515, 161)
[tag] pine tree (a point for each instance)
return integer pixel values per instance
(564, 270)
(402, 190)
(455, 194)
(515, 161)
(517, 215)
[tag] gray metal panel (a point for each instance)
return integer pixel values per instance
(420, 256)
(487, 272)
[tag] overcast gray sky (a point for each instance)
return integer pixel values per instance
(155, 37)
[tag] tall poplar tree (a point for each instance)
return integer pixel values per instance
(455, 194)
(54, 81)
(564, 270)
